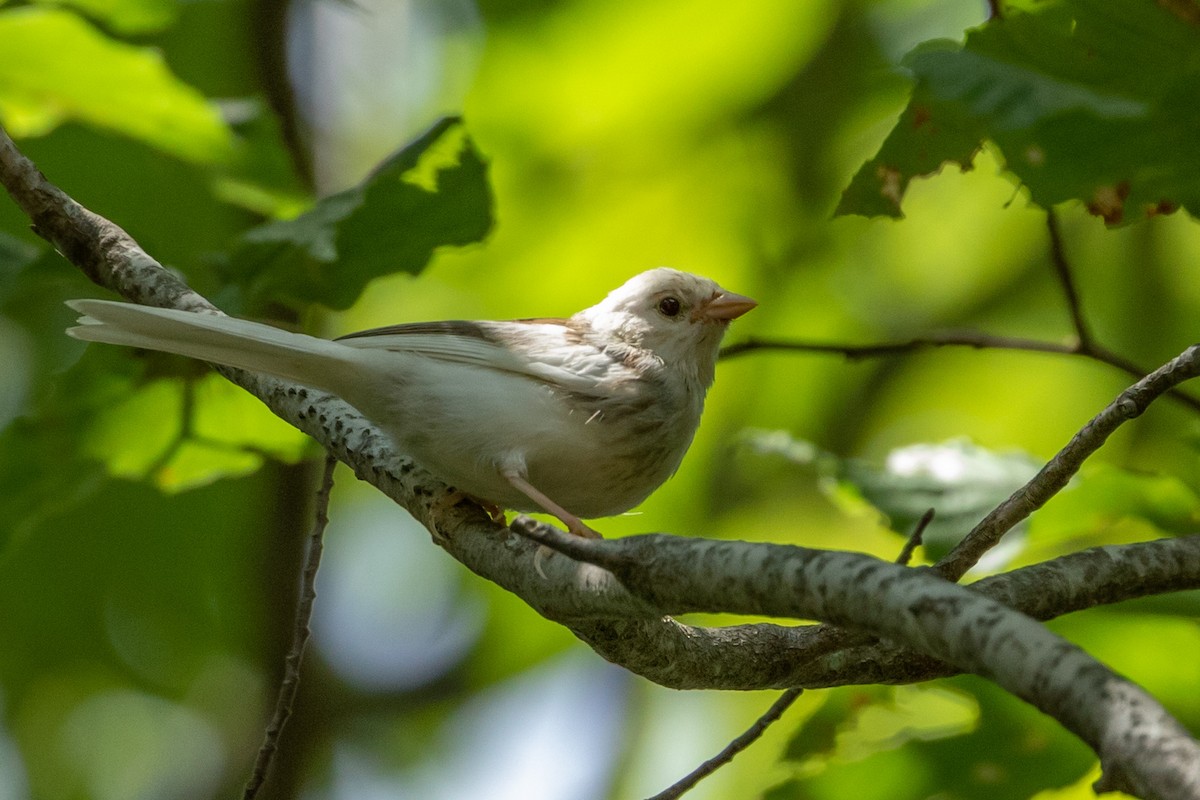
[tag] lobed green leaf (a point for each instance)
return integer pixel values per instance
(1090, 100)
(391, 222)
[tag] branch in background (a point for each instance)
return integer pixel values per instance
(854, 352)
(1086, 344)
(1062, 270)
(269, 20)
(914, 606)
(300, 633)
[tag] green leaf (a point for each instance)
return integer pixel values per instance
(817, 736)
(184, 433)
(430, 194)
(126, 16)
(56, 67)
(948, 742)
(1089, 100)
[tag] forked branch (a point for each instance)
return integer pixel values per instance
(645, 577)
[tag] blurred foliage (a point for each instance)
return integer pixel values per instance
(915, 742)
(145, 629)
(960, 481)
(126, 16)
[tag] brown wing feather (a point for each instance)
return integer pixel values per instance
(452, 327)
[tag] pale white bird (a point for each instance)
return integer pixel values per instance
(581, 417)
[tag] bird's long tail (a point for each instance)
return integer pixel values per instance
(221, 340)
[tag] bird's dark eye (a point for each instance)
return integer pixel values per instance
(669, 306)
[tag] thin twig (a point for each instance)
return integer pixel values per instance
(300, 634)
(747, 738)
(973, 339)
(1085, 344)
(914, 539)
(1051, 478)
(1062, 270)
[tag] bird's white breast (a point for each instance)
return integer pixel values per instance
(596, 453)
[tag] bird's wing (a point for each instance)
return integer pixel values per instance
(549, 350)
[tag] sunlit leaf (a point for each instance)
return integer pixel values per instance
(1089, 100)
(195, 463)
(56, 67)
(421, 198)
(994, 746)
(132, 436)
(183, 433)
(225, 415)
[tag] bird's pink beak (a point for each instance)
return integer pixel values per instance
(723, 307)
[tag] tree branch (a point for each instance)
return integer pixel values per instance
(973, 339)
(854, 352)
(1141, 747)
(673, 575)
(781, 704)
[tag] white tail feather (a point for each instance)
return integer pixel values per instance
(221, 340)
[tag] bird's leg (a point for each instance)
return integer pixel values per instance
(574, 524)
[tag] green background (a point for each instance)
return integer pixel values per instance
(153, 517)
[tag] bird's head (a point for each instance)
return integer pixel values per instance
(678, 316)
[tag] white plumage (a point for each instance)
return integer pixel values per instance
(580, 417)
